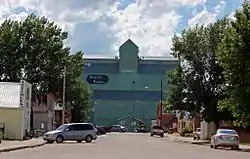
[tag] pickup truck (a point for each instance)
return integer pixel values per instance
(197, 134)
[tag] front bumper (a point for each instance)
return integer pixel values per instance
(49, 137)
(157, 133)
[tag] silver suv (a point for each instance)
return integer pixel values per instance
(75, 131)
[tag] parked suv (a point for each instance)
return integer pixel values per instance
(75, 131)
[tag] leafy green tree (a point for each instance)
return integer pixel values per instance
(78, 95)
(177, 98)
(11, 59)
(34, 50)
(233, 55)
(201, 75)
(45, 55)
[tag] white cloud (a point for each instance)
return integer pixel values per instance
(202, 18)
(205, 17)
(150, 23)
(191, 2)
(231, 16)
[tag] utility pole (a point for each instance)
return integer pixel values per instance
(63, 100)
(161, 104)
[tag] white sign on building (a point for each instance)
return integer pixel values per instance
(22, 93)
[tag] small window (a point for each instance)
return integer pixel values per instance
(157, 127)
(71, 128)
(230, 132)
(28, 94)
(80, 127)
(88, 127)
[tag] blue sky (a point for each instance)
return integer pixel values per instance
(101, 26)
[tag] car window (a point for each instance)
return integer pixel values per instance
(157, 127)
(71, 128)
(80, 127)
(88, 127)
(229, 132)
(62, 127)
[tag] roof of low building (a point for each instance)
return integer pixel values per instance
(9, 94)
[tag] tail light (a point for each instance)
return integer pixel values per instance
(236, 138)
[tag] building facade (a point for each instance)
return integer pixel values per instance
(43, 108)
(15, 109)
(127, 87)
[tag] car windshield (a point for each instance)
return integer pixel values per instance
(62, 127)
(230, 132)
(157, 127)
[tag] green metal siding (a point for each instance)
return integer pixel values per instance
(108, 112)
(124, 82)
(133, 88)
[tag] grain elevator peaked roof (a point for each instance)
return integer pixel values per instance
(9, 95)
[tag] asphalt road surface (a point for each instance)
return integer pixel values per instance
(125, 146)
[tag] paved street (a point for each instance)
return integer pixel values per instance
(125, 146)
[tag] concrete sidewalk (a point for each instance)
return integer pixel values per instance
(7, 146)
(189, 140)
(179, 139)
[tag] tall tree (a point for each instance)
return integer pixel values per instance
(45, 55)
(177, 96)
(11, 58)
(34, 50)
(234, 57)
(78, 95)
(201, 73)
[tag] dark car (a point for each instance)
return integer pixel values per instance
(106, 128)
(141, 128)
(118, 128)
(157, 130)
(100, 130)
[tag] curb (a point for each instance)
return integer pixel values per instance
(191, 142)
(21, 147)
(206, 143)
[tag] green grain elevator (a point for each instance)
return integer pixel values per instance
(127, 87)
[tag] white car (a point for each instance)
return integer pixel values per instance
(225, 138)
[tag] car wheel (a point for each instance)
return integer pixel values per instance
(59, 139)
(194, 138)
(88, 139)
(162, 135)
(120, 131)
(151, 135)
